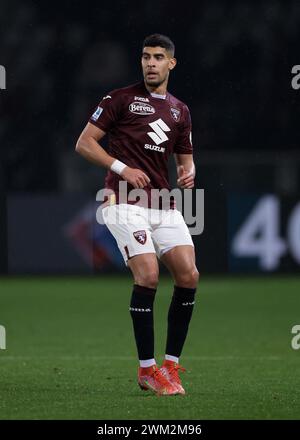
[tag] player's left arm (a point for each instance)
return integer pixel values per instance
(183, 152)
(186, 170)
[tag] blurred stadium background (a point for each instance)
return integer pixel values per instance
(234, 72)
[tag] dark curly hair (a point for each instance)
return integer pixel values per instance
(161, 41)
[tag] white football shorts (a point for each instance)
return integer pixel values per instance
(139, 230)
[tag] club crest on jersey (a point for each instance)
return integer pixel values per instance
(140, 108)
(140, 236)
(175, 113)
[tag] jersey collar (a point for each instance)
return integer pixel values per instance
(154, 95)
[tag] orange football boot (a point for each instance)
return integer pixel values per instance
(170, 370)
(151, 378)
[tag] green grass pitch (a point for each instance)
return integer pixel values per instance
(71, 353)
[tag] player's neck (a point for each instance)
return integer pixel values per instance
(160, 90)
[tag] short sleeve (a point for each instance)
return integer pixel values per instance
(107, 112)
(184, 139)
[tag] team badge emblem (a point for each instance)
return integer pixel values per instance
(140, 236)
(175, 113)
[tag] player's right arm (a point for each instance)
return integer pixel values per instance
(88, 146)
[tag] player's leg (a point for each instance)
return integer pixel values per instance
(180, 261)
(145, 273)
(133, 235)
(176, 251)
(132, 232)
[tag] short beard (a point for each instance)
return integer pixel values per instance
(154, 83)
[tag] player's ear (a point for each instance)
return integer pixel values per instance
(172, 63)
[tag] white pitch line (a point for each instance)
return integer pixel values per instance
(132, 358)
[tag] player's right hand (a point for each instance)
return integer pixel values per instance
(137, 178)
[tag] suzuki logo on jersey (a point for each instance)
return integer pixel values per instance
(140, 236)
(140, 108)
(154, 148)
(158, 135)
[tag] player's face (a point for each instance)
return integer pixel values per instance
(156, 65)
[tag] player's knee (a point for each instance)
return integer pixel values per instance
(195, 276)
(188, 279)
(148, 279)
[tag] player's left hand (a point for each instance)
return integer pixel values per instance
(185, 178)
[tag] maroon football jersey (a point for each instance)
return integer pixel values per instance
(144, 130)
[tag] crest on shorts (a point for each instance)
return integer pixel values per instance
(140, 236)
(175, 113)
